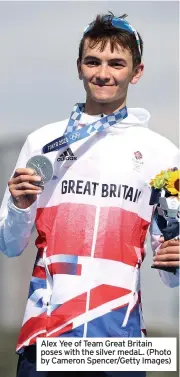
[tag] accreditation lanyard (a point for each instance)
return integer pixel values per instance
(72, 135)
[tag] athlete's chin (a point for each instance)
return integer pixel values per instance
(103, 99)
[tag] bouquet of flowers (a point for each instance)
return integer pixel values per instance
(165, 194)
(169, 181)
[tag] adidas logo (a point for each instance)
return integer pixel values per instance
(67, 155)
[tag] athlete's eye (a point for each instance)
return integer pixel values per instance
(92, 63)
(117, 65)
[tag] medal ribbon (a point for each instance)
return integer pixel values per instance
(72, 135)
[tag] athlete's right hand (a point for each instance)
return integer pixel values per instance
(23, 191)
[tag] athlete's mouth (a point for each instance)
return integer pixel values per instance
(102, 85)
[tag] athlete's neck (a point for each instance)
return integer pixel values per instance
(96, 108)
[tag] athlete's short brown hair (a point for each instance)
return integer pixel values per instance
(103, 31)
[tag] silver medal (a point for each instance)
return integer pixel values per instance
(42, 166)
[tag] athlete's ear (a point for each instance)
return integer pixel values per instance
(137, 73)
(79, 69)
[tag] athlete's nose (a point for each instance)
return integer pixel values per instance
(103, 75)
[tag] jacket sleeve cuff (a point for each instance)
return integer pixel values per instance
(16, 228)
(28, 211)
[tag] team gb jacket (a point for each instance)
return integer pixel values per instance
(92, 220)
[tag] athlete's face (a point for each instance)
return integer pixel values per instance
(105, 74)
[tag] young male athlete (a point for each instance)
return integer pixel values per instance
(93, 216)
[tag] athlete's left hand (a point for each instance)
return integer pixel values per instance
(168, 254)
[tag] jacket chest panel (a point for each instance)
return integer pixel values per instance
(109, 168)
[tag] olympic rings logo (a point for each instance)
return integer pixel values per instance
(75, 136)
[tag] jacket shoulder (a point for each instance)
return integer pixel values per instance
(155, 140)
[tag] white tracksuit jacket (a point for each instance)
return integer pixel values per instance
(92, 220)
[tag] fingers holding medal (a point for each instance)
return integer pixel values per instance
(22, 188)
(28, 182)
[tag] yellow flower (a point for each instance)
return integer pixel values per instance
(160, 175)
(173, 183)
(151, 182)
(159, 180)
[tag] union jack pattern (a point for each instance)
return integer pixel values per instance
(91, 288)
